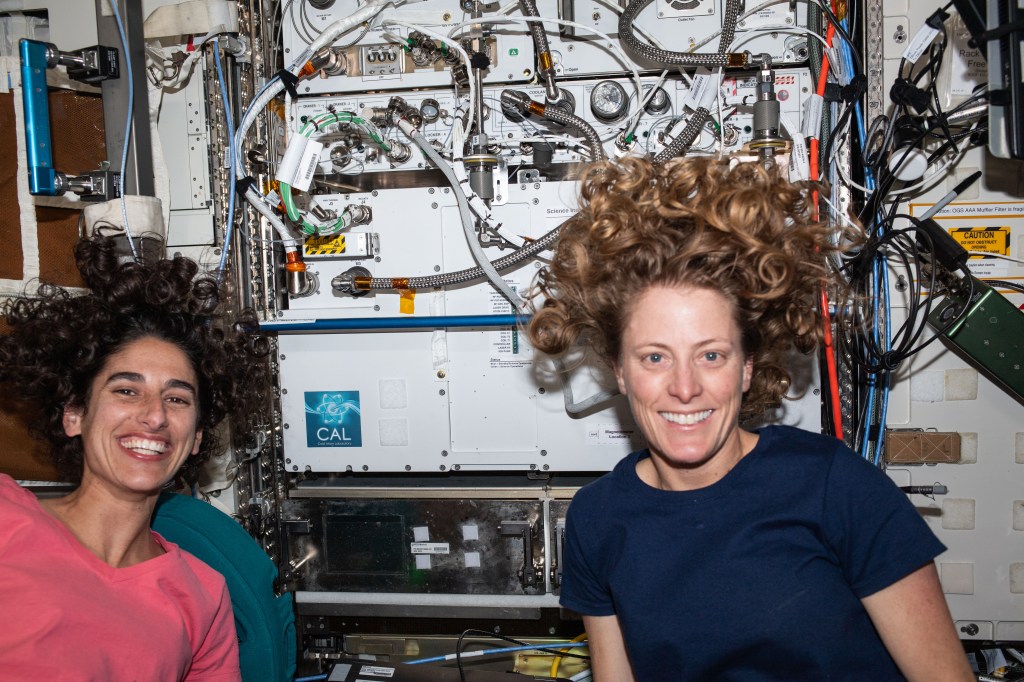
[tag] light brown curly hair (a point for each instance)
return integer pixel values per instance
(738, 229)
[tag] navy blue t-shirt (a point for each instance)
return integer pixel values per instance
(756, 577)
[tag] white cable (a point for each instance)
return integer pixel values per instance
(746, 14)
(339, 27)
(770, 30)
(465, 214)
(611, 44)
(127, 128)
(452, 45)
(986, 254)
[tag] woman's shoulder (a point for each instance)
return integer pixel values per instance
(15, 499)
(795, 443)
(612, 485)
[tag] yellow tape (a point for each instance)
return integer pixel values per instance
(407, 302)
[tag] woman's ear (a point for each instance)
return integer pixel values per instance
(72, 420)
(748, 372)
(199, 440)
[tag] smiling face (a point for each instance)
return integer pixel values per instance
(684, 370)
(140, 421)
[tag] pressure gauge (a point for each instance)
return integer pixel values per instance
(658, 103)
(608, 101)
(430, 110)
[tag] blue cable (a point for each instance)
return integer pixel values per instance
(485, 652)
(231, 161)
(505, 650)
(127, 126)
(881, 294)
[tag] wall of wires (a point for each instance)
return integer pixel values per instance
(940, 214)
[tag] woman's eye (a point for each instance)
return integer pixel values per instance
(712, 356)
(654, 357)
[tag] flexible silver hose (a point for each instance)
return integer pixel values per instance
(669, 58)
(559, 115)
(471, 274)
(540, 43)
(484, 266)
(682, 142)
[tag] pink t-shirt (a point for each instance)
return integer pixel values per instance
(67, 615)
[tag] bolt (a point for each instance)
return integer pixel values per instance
(441, 374)
(408, 467)
(444, 453)
(284, 391)
(282, 356)
(441, 467)
(287, 426)
(437, 268)
(441, 392)
(543, 453)
(542, 390)
(376, 308)
(366, 467)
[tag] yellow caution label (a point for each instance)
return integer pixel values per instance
(995, 240)
(333, 245)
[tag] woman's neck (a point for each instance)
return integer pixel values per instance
(116, 530)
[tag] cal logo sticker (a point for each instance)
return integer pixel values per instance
(333, 419)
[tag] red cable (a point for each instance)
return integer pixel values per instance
(830, 352)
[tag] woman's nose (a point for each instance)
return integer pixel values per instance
(685, 384)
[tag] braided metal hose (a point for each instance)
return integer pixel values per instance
(558, 115)
(685, 138)
(540, 43)
(462, 276)
(669, 58)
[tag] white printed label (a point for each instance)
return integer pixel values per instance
(307, 165)
(812, 115)
(609, 434)
(377, 671)
(430, 548)
(920, 43)
(289, 165)
(702, 82)
(799, 167)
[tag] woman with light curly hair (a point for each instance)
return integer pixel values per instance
(720, 552)
(126, 384)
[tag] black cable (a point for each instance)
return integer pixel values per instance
(1016, 286)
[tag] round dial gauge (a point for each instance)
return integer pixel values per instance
(658, 103)
(608, 101)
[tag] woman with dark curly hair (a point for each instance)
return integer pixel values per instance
(720, 552)
(126, 384)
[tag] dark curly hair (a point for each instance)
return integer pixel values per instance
(58, 342)
(738, 229)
